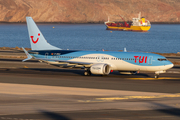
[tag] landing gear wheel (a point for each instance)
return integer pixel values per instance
(87, 72)
(156, 76)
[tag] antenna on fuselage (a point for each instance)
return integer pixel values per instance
(125, 50)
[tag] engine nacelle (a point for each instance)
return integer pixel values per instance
(100, 69)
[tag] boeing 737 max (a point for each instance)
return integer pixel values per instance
(94, 62)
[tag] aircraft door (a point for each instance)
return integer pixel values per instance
(100, 58)
(46, 55)
(150, 60)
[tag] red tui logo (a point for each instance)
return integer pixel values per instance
(141, 60)
(35, 40)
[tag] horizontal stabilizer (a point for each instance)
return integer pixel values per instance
(28, 55)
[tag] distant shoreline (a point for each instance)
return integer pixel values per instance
(3, 22)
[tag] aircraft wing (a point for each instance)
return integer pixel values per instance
(58, 62)
(65, 61)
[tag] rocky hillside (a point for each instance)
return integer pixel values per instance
(85, 11)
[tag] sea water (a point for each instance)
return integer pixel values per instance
(162, 38)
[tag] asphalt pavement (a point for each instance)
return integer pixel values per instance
(38, 91)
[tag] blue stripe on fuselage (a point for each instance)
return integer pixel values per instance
(147, 59)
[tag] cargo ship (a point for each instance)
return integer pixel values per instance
(138, 24)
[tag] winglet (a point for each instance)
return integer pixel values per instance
(28, 55)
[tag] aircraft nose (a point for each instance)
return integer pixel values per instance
(170, 65)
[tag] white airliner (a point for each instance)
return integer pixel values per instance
(94, 62)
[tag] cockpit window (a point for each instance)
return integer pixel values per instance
(162, 59)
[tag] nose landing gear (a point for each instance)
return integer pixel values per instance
(156, 75)
(158, 72)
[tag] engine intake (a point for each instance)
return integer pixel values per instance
(100, 69)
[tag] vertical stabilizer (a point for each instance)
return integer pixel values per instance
(37, 40)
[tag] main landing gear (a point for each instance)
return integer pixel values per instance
(87, 72)
(156, 75)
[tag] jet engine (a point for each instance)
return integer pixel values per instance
(100, 69)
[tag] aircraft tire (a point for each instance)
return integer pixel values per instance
(156, 76)
(87, 73)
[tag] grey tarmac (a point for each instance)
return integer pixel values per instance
(37, 91)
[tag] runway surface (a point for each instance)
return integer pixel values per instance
(37, 91)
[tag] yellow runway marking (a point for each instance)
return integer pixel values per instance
(130, 97)
(161, 78)
(25, 67)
